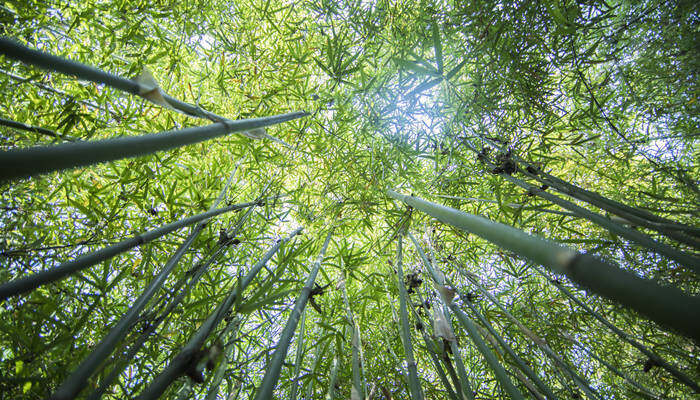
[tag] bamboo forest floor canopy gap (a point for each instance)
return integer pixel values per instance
(435, 200)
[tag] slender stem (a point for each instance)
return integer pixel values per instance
(433, 353)
(518, 361)
(77, 380)
(470, 327)
(272, 371)
(19, 52)
(299, 357)
(29, 283)
(683, 378)
(358, 383)
(37, 129)
(687, 260)
(405, 330)
(666, 305)
(183, 359)
(15, 164)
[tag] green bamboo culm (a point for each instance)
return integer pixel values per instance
(532, 375)
(674, 371)
(182, 360)
(668, 306)
(31, 282)
(466, 322)
(405, 330)
(559, 362)
(33, 161)
(358, 381)
(299, 357)
(433, 354)
(687, 260)
(272, 371)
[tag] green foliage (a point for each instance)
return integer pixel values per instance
(600, 94)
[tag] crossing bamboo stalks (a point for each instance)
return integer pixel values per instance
(405, 330)
(466, 388)
(683, 378)
(189, 352)
(77, 380)
(672, 229)
(33, 161)
(31, 282)
(272, 371)
(580, 381)
(432, 352)
(470, 327)
(519, 362)
(665, 305)
(644, 391)
(231, 330)
(687, 260)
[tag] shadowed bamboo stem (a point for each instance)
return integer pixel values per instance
(33, 161)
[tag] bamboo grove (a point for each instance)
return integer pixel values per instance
(349, 199)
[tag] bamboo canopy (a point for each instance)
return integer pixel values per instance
(349, 200)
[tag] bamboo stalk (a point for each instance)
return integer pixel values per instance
(20, 52)
(683, 378)
(687, 260)
(272, 371)
(31, 282)
(299, 357)
(665, 305)
(433, 353)
(641, 217)
(358, 382)
(21, 163)
(37, 129)
(498, 370)
(642, 389)
(231, 329)
(580, 381)
(183, 359)
(405, 330)
(463, 380)
(519, 362)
